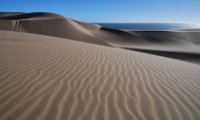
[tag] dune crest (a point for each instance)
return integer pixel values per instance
(51, 78)
(182, 42)
(50, 24)
(56, 68)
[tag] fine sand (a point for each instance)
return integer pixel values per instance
(93, 73)
(184, 43)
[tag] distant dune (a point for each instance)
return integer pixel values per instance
(55, 68)
(52, 24)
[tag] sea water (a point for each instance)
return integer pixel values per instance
(150, 26)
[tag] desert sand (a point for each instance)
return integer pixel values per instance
(55, 68)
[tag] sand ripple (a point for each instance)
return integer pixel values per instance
(48, 78)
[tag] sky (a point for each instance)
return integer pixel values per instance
(112, 11)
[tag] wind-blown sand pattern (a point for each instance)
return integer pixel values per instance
(178, 43)
(49, 78)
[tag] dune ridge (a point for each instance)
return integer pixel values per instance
(57, 68)
(51, 78)
(30, 16)
(51, 24)
(185, 56)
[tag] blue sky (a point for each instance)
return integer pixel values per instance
(132, 11)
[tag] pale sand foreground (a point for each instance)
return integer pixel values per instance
(48, 78)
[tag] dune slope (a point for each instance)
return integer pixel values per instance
(50, 24)
(51, 78)
(171, 44)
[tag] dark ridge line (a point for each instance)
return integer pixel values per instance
(183, 56)
(28, 15)
(120, 32)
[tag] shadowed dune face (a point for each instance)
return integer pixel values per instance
(58, 26)
(88, 26)
(172, 37)
(178, 45)
(189, 57)
(31, 16)
(5, 14)
(51, 78)
(50, 24)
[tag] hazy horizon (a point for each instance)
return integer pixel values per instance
(113, 11)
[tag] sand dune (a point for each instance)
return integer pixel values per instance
(4, 14)
(31, 16)
(70, 70)
(51, 24)
(51, 78)
(190, 57)
(173, 44)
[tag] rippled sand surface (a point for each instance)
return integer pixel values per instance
(49, 78)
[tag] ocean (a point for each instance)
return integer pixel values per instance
(150, 26)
